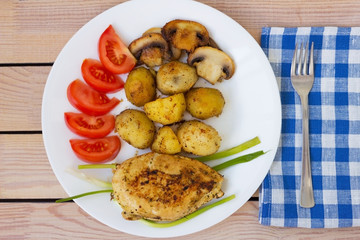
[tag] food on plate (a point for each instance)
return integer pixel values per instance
(151, 49)
(175, 52)
(166, 110)
(175, 77)
(198, 138)
(213, 44)
(163, 187)
(96, 150)
(134, 127)
(114, 54)
(231, 151)
(166, 141)
(99, 78)
(160, 185)
(186, 35)
(140, 86)
(152, 30)
(211, 64)
(88, 100)
(90, 126)
(204, 103)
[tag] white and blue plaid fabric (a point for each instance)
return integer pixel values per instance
(334, 109)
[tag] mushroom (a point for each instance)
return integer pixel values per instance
(175, 52)
(211, 64)
(185, 35)
(213, 44)
(150, 49)
(152, 30)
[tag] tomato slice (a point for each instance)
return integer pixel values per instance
(99, 78)
(88, 100)
(90, 126)
(96, 150)
(113, 53)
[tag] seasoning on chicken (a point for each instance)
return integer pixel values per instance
(164, 187)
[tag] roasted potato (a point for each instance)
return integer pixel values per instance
(198, 138)
(166, 141)
(140, 86)
(204, 103)
(166, 110)
(175, 77)
(134, 127)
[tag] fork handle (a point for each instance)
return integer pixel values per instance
(306, 188)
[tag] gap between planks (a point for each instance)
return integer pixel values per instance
(68, 221)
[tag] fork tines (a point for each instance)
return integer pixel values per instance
(299, 65)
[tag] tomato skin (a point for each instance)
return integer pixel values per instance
(88, 100)
(114, 54)
(89, 126)
(99, 78)
(98, 150)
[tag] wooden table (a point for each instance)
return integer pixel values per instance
(32, 33)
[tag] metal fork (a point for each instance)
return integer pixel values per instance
(302, 79)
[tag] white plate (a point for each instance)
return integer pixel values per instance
(252, 108)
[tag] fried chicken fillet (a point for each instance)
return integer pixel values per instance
(163, 187)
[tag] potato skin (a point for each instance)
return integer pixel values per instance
(204, 103)
(166, 110)
(134, 127)
(166, 141)
(140, 86)
(175, 77)
(198, 138)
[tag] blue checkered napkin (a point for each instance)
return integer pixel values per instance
(334, 108)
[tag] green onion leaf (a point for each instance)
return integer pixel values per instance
(97, 166)
(246, 145)
(188, 217)
(241, 159)
(83, 195)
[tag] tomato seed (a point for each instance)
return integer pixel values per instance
(113, 56)
(95, 147)
(102, 75)
(82, 123)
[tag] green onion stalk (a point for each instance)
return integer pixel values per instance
(188, 217)
(83, 195)
(242, 147)
(232, 162)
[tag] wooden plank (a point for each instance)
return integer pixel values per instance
(68, 221)
(25, 172)
(36, 31)
(21, 91)
(253, 15)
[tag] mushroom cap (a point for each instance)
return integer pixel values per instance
(152, 30)
(211, 64)
(175, 52)
(151, 49)
(185, 34)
